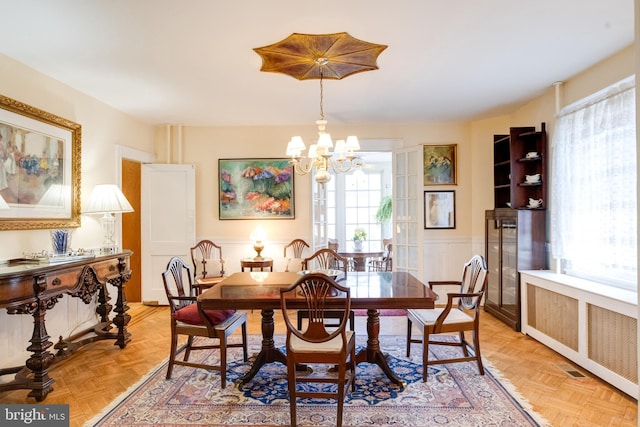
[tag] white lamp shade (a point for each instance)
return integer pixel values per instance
(107, 198)
(352, 143)
(295, 146)
(57, 195)
(341, 146)
(324, 141)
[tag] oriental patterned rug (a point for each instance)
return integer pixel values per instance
(455, 395)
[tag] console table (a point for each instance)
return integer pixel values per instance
(35, 288)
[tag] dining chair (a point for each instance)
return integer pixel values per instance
(188, 318)
(461, 314)
(318, 344)
(384, 263)
(325, 259)
(207, 255)
(296, 247)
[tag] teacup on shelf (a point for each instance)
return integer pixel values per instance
(535, 203)
(531, 155)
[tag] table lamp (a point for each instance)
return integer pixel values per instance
(258, 236)
(108, 200)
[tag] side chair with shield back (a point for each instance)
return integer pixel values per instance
(326, 259)
(461, 314)
(208, 264)
(189, 319)
(296, 248)
(384, 263)
(316, 344)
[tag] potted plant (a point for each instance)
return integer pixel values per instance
(359, 236)
(383, 214)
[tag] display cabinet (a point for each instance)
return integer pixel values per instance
(514, 241)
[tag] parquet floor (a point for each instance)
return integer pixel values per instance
(100, 372)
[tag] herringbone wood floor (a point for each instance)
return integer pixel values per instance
(100, 372)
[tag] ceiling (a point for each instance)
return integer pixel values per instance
(191, 62)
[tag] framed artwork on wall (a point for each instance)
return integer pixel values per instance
(439, 209)
(255, 189)
(39, 168)
(440, 164)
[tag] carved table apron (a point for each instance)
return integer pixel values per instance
(35, 288)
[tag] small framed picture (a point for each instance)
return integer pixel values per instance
(439, 209)
(439, 164)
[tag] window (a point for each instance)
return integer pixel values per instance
(594, 207)
(353, 200)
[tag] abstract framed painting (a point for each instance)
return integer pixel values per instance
(255, 189)
(440, 164)
(439, 209)
(40, 156)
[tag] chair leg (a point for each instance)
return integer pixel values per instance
(476, 344)
(463, 342)
(172, 354)
(291, 374)
(187, 351)
(409, 325)
(341, 379)
(353, 369)
(352, 320)
(245, 353)
(425, 355)
(223, 361)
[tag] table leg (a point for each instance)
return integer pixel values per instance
(372, 353)
(268, 353)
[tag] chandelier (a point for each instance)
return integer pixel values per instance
(320, 156)
(320, 56)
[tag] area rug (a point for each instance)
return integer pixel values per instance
(455, 395)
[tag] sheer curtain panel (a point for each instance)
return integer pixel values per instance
(593, 211)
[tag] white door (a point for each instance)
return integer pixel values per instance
(319, 213)
(168, 205)
(407, 210)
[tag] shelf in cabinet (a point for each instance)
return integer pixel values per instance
(530, 184)
(529, 159)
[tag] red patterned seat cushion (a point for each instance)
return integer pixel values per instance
(190, 315)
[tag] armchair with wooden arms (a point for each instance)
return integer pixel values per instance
(326, 259)
(461, 313)
(208, 264)
(188, 318)
(385, 263)
(296, 248)
(316, 344)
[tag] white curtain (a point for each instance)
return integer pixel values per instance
(593, 216)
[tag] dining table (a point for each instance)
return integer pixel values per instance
(360, 258)
(372, 291)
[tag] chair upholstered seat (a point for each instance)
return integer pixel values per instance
(429, 317)
(332, 346)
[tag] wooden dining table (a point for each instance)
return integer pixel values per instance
(369, 290)
(360, 258)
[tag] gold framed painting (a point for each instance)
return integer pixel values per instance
(440, 164)
(39, 168)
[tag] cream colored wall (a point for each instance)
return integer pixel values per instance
(203, 146)
(102, 129)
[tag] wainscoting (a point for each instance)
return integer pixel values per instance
(593, 325)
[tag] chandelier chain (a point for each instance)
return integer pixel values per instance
(321, 96)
